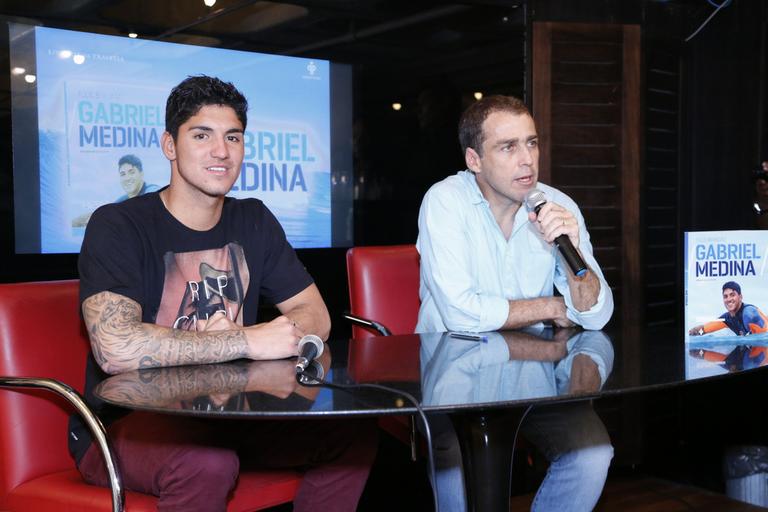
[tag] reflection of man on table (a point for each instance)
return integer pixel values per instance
(131, 173)
(214, 385)
(488, 264)
(514, 365)
(175, 277)
(743, 319)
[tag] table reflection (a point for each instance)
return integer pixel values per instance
(439, 370)
(236, 387)
(724, 354)
(532, 363)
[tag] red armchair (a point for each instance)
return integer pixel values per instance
(42, 336)
(384, 300)
(383, 289)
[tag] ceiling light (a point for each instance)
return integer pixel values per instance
(65, 54)
(209, 3)
(133, 35)
(30, 79)
(478, 95)
(18, 71)
(78, 58)
(397, 106)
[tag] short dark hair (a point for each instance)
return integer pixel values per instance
(732, 285)
(195, 92)
(131, 160)
(471, 122)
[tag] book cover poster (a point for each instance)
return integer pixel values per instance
(101, 99)
(726, 294)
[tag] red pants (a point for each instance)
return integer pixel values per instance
(192, 464)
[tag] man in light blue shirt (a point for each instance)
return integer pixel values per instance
(489, 264)
(484, 264)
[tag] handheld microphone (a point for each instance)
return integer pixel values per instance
(534, 200)
(310, 347)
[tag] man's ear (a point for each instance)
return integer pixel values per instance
(472, 160)
(169, 146)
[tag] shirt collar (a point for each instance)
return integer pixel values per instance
(477, 198)
(476, 195)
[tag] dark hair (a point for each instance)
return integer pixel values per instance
(195, 92)
(131, 160)
(732, 285)
(471, 122)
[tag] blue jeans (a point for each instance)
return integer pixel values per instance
(570, 435)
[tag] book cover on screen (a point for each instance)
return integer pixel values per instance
(726, 300)
(101, 117)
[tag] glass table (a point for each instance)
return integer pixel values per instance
(484, 384)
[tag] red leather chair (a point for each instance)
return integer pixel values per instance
(383, 289)
(42, 336)
(384, 300)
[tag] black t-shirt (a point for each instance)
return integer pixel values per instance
(139, 250)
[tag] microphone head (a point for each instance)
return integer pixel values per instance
(314, 340)
(535, 199)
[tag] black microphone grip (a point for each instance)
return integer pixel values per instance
(570, 255)
(563, 243)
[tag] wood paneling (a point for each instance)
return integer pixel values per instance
(586, 102)
(574, 134)
(662, 152)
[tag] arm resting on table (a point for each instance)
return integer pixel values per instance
(122, 342)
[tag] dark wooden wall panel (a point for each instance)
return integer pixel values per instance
(585, 93)
(585, 114)
(592, 195)
(574, 134)
(586, 101)
(602, 216)
(587, 104)
(662, 152)
(596, 154)
(595, 52)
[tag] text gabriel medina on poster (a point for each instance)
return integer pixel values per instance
(726, 260)
(272, 161)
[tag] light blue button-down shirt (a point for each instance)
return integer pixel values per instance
(470, 271)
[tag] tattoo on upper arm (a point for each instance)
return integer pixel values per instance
(121, 341)
(112, 320)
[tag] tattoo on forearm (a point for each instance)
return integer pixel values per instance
(159, 387)
(121, 341)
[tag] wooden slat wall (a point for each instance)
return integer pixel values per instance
(586, 90)
(663, 232)
(586, 102)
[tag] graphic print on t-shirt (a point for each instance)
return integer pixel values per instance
(200, 284)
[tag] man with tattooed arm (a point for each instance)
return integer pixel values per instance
(174, 277)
